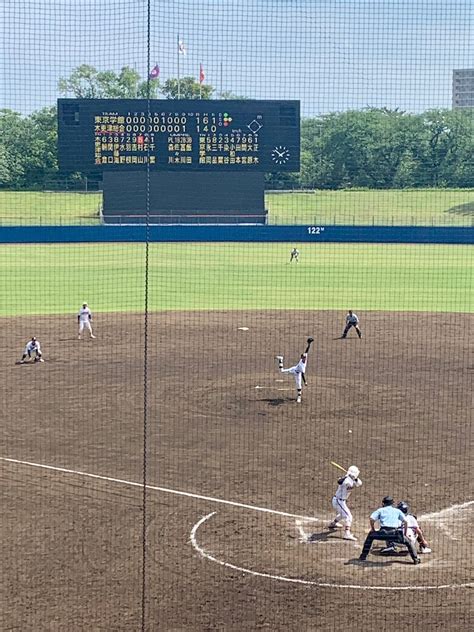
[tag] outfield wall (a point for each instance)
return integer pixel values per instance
(242, 233)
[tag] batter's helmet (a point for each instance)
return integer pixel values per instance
(403, 506)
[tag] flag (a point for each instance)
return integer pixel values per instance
(181, 47)
(202, 76)
(154, 72)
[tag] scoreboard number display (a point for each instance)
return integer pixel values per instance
(178, 135)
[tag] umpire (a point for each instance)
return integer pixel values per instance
(390, 519)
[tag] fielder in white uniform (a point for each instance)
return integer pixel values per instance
(33, 347)
(84, 319)
(295, 254)
(345, 486)
(352, 320)
(298, 371)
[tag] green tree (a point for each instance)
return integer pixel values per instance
(86, 82)
(28, 148)
(228, 95)
(358, 149)
(189, 88)
(15, 146)
(42, 163)
(446, 151)
(6, 174)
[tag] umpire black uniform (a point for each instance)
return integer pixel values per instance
(390, 519)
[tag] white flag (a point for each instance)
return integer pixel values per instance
(181, 47)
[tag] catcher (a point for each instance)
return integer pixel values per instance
(298, 371)
(32, 347)
(413, 532)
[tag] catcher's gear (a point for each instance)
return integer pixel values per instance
(310, 340)
(403, 507)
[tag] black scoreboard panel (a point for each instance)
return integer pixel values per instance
(192, 197)
(178, 135)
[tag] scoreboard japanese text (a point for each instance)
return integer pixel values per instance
(130, 134)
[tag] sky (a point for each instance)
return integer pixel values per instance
(332, 55)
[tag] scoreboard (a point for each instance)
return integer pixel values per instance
(178, 135)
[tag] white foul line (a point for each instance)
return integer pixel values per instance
(306, 582)
(438, 515)
(166, 490)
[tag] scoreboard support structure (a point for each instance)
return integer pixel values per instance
(180, 161)
(183, 198)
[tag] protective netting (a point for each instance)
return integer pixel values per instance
(158, 470)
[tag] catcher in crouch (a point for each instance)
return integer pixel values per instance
(298, 371)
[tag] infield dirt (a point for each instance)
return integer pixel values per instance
(221, 421)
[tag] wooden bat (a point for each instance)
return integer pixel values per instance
(338, 466)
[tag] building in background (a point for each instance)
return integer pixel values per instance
(463, 88)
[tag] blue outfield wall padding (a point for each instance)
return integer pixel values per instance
(239, 233)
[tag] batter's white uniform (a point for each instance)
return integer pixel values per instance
(298, 370)
(85, 315)
(339, 501)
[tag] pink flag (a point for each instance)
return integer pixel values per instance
(202, 76)
(154, 72)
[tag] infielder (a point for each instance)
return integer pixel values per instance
(352, 320)
(295, 254)
(413, 532)
(84, 319)
(389, 518)
(298, 371)
(345, 486)
(32, 347)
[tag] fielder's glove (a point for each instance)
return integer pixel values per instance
(310, 340)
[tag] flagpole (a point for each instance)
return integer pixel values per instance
(200, 82)
(179, 81)
(221, 80)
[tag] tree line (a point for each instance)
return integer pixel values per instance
(371, 148)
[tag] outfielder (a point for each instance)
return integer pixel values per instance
(32, 347)
(345, 486)
(298, 371)
(294, 254)
(84, 319)
(352, 320)
(413, 532)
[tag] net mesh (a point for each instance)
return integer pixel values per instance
(158, 470)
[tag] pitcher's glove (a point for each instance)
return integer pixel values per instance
(310, 340)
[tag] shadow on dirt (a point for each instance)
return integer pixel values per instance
(324, 536)
(277, 401)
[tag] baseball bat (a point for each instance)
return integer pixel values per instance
(338, 466)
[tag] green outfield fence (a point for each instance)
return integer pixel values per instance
(158, 471)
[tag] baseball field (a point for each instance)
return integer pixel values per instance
(240, 483)
(391, 207)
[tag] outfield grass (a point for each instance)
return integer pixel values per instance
(421, 207)
(44, 208)
(46, 279)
